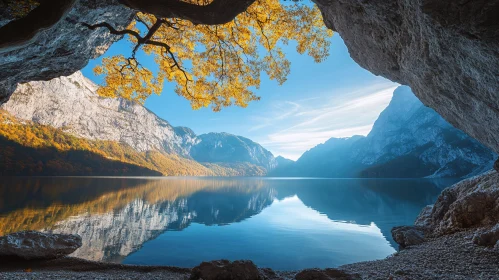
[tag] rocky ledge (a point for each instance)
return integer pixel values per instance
(469, 204)
(63, 48)
(30, 245)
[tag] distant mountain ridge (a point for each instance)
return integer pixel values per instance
(407, 140)
(225, 147)
(71, 105)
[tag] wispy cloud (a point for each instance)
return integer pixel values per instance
(302, 124)
(280, 112)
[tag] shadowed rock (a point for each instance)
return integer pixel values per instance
(487, 237)
(324, 274)
(408, 235)
(470, 203)
(445, 50)
(226, 270)
(30, 245)
(64, 48)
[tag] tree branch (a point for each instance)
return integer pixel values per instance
(48, 13)
(112, 30)
(140, 40)
(214, 13)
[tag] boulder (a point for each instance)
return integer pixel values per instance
(473, 202)
(324, 274)
(226, 270)
(30, 245)
(489, 237)
(424, 218)
(408, 235)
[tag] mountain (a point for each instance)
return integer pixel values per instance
(228, 148)
(71, 106)
(283, 162)
(407, 140)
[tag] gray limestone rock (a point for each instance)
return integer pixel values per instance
(37, 245)
(408, 235)
(470, 203)
(64, 48)
(446, 51)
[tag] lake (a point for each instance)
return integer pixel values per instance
(284, 224)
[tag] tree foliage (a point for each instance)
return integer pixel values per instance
(214, 65)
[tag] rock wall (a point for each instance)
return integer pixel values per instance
(446, 51)
(64, 48)
(72, 105)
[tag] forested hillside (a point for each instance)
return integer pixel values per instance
(33, 149)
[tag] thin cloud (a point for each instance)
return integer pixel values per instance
(280, 111)
(303, 124)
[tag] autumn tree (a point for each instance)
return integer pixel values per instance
(215, 51)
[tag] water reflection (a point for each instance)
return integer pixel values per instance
(278, 223)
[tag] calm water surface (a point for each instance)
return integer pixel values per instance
(284, 224)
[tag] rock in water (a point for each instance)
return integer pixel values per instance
(37, 245)
(408, 236)
(226, 270)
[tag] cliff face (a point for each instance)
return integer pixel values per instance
(408, 133)
(72, 105)
(64, 48)
(446, 51)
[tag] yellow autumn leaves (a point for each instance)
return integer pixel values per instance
(220, 65)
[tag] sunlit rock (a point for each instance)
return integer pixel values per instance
(72, 105)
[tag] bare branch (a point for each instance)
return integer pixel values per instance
(140, 40)
(112, 30)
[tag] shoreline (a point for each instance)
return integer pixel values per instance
(452, 256)
(455, 238)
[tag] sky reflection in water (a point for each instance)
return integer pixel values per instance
(282, 224)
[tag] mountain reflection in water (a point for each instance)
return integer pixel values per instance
(277, 223)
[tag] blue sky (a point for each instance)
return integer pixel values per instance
(335, 98)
